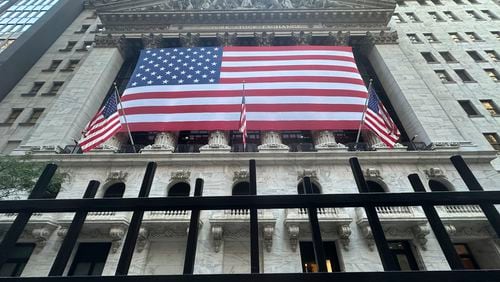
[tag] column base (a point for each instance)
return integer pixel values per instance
(158, 149)
(333, 146)
(272, 148)
(215, 148)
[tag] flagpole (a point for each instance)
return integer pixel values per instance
(363, 116)
(243, 99)
(125, 118)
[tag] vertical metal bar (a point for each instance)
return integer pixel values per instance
(72, 234)
(386, 257)
(17, 227)
(312, 212)
(192, 241)
(470, 180)
(135, 224)
(254, 224)
(437, 227)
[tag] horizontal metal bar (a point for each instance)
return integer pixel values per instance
(390, 276)
(258, 202)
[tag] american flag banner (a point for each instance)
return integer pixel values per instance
(378, 120)
(286, 88)
(103, 126)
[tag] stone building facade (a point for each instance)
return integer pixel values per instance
(434, 63)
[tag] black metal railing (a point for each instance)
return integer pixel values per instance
(253, 202)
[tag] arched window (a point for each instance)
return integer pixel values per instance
(241, 188)
(180, 189)
(374, 187)
(115, 191)
(315, 188)
(438, 186)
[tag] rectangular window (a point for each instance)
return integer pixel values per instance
(53, 66)
(436, 17)
(56, 85)
(493, 139)
(451, 16)
(98, 29)
(83, 29)
(34, 89)
(474, 15)
(71, 65)
(430, 37)
(412, 17)
(69, 46)
(414, 38)
(35, 115)
(14, 114)
(423, 2)
(468, 108)
(397, 18)
(493, 74)
(490, 15)
(475, 56)
(493, 55)
(464, 76)
(403, 255)
(309, 260)
(429, 58)
(456, 37)
(17, 260)
(448, 57)
(90, 259)
(496, 34)
(473, 36)
(444, 76)
(491, 107)
(85, 46)
(459, 2)
(436, 2)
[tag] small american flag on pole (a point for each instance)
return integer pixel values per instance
(378, 120)
(103, 126)
(243, 120)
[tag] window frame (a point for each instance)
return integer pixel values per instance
(474, 111)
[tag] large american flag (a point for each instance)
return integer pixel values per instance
(378, 120)
(286, 88)
(102, 126)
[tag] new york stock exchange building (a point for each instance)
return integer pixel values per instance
(190, 186)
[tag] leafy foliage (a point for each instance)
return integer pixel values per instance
(19, 175)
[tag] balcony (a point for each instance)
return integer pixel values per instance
(398, 222)
(334, 221)
(173, 223)
(39, 228)
(230, 224)
(465, 221)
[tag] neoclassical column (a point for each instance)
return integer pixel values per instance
(166, 141)
(324, 140)
(218, 140)
(270, 140)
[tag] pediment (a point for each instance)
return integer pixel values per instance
(110, 6)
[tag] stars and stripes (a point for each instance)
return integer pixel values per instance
(103, 126)
(378, 120)
(286, 88)
(243, 120)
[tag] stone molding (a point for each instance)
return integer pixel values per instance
(180, 176)
(112, 41)
(241, 176)
(307, 173)
(117, 175)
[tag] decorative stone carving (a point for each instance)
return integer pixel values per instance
(180, 176)
(112, 41)
(151, 40)
(41, 235)
(451, 229)
(381, 146)
(325, 141)
(62, 232)
(339, 39)
(264, 38)
(217, 142)
(189, 39)
(117, 175)
(366, 230)
(420, 232)
(445, 145)
(165, 142)
(435, 172)
(293, 235)
(381, 38)
(217, 234)
(302, 38)
(241, 175)
(226, 39)
(116, 234)
(142, 240)
(344, 231)
(373, 173)
(307, 173)
(267, 233)
(271, 142)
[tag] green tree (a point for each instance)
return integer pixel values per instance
(19, 175)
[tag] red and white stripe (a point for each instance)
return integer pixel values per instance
(99, 130)
(382, 125)
(243, 120)
(286, 88)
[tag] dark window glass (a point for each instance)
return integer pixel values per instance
(464, 76)
(448, 57)
(466, 256)
(493, 55)
(35, 88)
(475, 56)
(437, 186)
(491, 107)
(17, 260)
(414, 38)
(69, 46)
(89, 259)
(241, 188)
(468, 107)
(493, 74)
(115, 191)
(14, 114)
(53, 65)
(430, 37)
(180, 189)
(403, 255)
(429, 57)
(35, 115)
(309, 260)
(493, 139)
(83, 29)
(443, 76)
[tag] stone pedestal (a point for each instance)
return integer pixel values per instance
(217, 142)
(325, 141)
(165, 142)
(271, 142)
